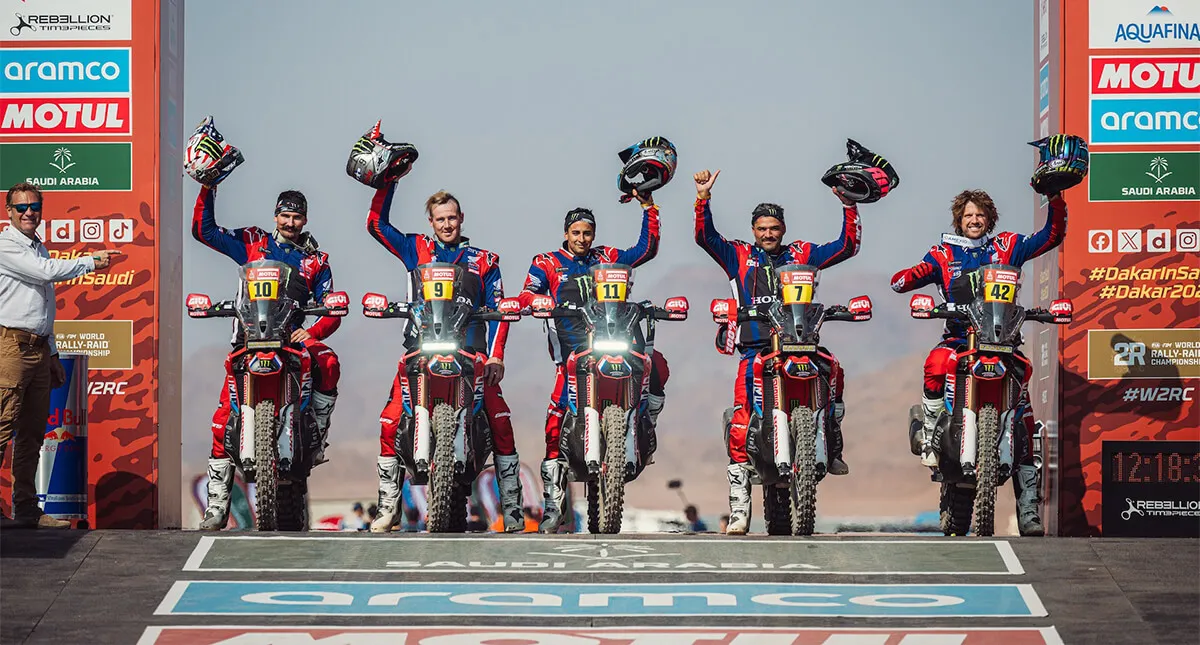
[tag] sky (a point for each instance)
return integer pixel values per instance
(520, 108)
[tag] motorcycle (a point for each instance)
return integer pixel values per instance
(275, 438)
(792, 403)
(444, 439)
(975, 430)
(607, 439)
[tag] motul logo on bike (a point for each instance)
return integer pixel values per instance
(796, 277)
(198, 301)
(860, 305)
(676, 304)
(1130, 75)
(25, 116)
(264, 273)
(437, 275)
(612, 275)
(1000, 276)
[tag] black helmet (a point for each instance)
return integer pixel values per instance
(859, 182)
(375, 162)
(866, 178)
(1063, 163)
(649, 165)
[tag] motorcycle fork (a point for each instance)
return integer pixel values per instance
(780, 429)
(421, 441)
(592, 453)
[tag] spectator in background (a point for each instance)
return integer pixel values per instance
(724, 523)
(695, 524)
(358, 521)
(29, 365)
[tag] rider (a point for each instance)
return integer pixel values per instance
(750, 269)
(485, 289)
(974, 217)
(289, 244)
(555, 273)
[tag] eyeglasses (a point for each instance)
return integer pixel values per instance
(21, 208)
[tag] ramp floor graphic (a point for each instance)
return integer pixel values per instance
(184, 588)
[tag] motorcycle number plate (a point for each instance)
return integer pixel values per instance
(611, 286)
(1000, 349)
(790, 348)
(263, 289)
(438, 289)
(797, 287)
(1000, 285)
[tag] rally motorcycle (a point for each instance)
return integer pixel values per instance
(607, 438)
(272, 435)
(444, 439)
(792, 406)
(976, 428)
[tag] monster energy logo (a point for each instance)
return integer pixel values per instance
(584, 283)
(209, 147)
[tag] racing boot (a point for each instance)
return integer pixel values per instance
(932, 408)
(554, 483)
(508, 478)
(654, 406)
(220, 479)
(837, 466)
(322, 408)
(390, 481)
(1027, 487)
(739, 500)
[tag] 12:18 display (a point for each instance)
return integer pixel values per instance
(1155, 467)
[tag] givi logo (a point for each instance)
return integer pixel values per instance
(38, 116)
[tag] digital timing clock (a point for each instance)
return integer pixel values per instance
(1151, 488)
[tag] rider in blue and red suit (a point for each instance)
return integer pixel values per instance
(484, 287)
(558, 274)
(974, 217)
(750, 268)
(289, 244)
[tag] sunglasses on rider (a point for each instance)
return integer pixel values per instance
(21, 208)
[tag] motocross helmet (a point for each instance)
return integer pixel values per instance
(375, 162)
(866, 178)
(208, 159)
(1062, 163)
(649, 165)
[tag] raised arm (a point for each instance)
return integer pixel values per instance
(207, 232)
(1026, 248)
(647, 244)
(380, 227)
(845, 246)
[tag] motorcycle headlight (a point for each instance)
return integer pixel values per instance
(439, 346)
(610, 346)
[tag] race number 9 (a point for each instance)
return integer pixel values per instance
(438, 289)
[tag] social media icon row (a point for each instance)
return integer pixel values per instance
(1186, 240)
(69, 231)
